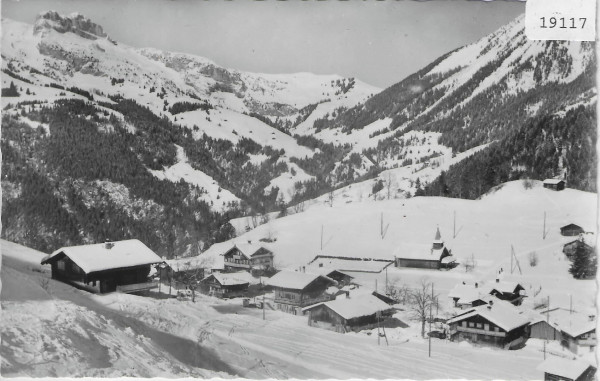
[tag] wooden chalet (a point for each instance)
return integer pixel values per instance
(112, 266)
(226, 285)
(247, 256)
(579, 337)
(570, 248)
(542, 328)
(511, 292)
(554, 184)
(469, 295)
(295, 290)
(562, 369)
(347, 313)
(497, 324)
(436, 257)
(571, 230)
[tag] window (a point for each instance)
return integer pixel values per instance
(486, 327)
(471, 324)
(61, 265)
(496, 329)
(479, 325)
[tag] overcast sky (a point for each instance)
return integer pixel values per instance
(377, 42)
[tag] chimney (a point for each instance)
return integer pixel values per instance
(347, 294)
(250, 241)
(476, 285)
(303, 269)
(497, 280)
(320, 265)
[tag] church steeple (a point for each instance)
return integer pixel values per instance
(437, 241)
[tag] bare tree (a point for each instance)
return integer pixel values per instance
(330, 198)
(191, 275)
(421, 299)
(533, 259)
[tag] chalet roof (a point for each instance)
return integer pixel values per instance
(574, 324)
(562, 367)
(571, 226)
(106, 256)
(505, 287)
(232, 279)
(249, 249)
(355, 306)
(501, 313)
(295, 280)
(448, 259)
(553, 181)
(323, 263)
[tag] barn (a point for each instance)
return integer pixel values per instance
(497, 324)
(570, 248)
(347, 313)
(554, 184)
(295, 290)
(436, 256)
(562, 369)
(112, 266)
(571, 230)
(540, 328)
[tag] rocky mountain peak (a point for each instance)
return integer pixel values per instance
(75, 23)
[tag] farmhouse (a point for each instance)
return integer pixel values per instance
(498, 324)
(435, 257)
(295, 290)
(571, 230)
(246, 256)
(226, 285)
(347, 313)
(579, 336)
(570, 248)
(561, 369)
(554, 184)
(112, 266)
(469, 295)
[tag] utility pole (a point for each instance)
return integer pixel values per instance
(544, 231)
(387, 290)
(263, 307)
(378, 334)
(430, 318)
(570, 304)
(454, 226)
(321, 238)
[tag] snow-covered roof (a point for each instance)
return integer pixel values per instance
(448, 259)
(505, 287)
(573, 323)
(553, 181)
(563, 367)
(111, 255)
(419, 251)
(501, 313)
(249, 249)
(233, 279)
(294, 280)
(355, 306)
(327, 264)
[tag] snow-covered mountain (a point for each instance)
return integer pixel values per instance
(170, 146)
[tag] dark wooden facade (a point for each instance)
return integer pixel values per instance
(545, 331)
(235, 260)
(477, 329)
(64, 269)
(322, 316)
(513, 297)
(211, 286)
(555, 185)
(586, 342)
(262, 258)
(588, 375)
(293, 300)
(569, 249)
(571, 230)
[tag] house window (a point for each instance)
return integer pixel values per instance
(61, 265)
(486, 327)
(479, 325)
(471, 324)
(496, 329)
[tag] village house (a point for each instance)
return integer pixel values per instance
(575, 331)
(497, 324)
(295, 290)
(435, 257)
(581, 243)
(112, 266)
(511, 292)
(347, 313)
(561, 369)
(571, 230)
(554, 184)
(248, 256)
(226, 285)
(466, 295)
(347, 265)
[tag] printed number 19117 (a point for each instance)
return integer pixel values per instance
(563, 22)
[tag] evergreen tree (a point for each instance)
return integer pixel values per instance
(584, 263)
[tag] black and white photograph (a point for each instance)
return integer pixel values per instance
(299, 189)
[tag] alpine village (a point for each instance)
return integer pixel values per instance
(164, 216)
